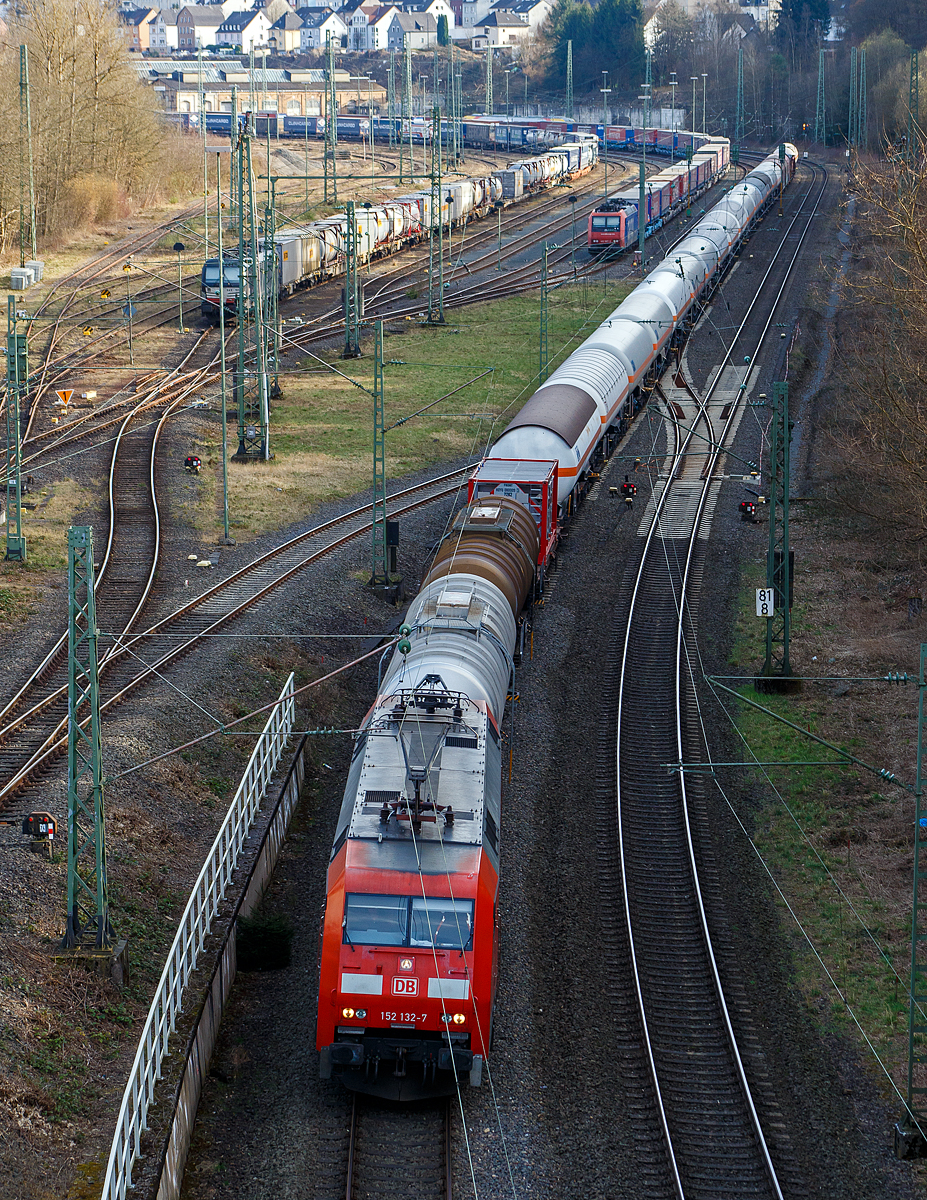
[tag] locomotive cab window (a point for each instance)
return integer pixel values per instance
(376, 920)
(408, 921)
(211, 275)
(446, 924)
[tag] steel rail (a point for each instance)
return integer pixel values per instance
(14, 719)
(653, 536)
(54, 744)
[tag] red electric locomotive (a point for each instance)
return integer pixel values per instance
(410, 943)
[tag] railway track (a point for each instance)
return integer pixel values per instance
(403, 1153)
(30, 718)
(33, 737)
(82, 277)
(694, 1080)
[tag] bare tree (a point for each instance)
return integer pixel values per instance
(880, 425)
(96, 135)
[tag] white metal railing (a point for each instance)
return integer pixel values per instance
(195, 924)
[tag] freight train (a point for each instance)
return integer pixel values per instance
(312, 253)
(615, 223)
(410, 931)
(482, 132)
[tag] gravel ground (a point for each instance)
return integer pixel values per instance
(551, 1123)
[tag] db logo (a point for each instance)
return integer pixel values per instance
(403, 985)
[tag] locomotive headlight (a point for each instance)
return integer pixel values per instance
(361, 1013)
(347, 1012)
(459, 1018)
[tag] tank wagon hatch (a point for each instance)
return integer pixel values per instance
(533, 484)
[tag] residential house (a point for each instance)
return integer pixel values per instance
(378, 28)
(357, 18)
(163, 31)
(318, 23)
(368, 25)
(433, 8)
(197, 26)
(415, 30)
(248, 30)
(499, 29)
(274, 9)
(136, 23)
(533, 12)
(468, 13)
(286, 33)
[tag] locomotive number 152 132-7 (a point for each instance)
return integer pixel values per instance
(404, 1017)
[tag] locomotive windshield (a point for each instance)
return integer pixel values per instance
(211, 274)
(408, 921)
(606, 222)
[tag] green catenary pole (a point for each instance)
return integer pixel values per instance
(913, 114)
(233, 163)
(436, 278)
(331, 123)
(351, 306)
(379, 573)
(820, 123)
(569, 81)
(852, 116)
(17, 381)
(251, 372)
(407, 100)
(88, 903)
(778, 558)
(460, 144)
(202, 103)
(911, 1131)
(269, 293)
(391, 97)
(26, 174)
(226, 540)
(543, 359)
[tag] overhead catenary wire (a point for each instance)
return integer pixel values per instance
(254, 712)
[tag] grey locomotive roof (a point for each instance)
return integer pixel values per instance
(455, 754)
